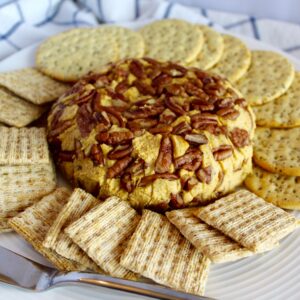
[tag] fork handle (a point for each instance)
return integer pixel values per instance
(140, 288)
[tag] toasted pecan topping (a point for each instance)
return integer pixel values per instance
(164, 159)
(97, 155)
(150, 178)
(115, 138)
(222, 152)
(239, 137)
(118, 167)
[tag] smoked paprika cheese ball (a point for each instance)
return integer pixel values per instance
(156, 134)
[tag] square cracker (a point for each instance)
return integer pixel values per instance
(211, 242)
(15, 111)
(158, 251)
(23, 146)
(103, 232)
(78, 204)
(32, 85)
(22, 186)
(34, 223)
(248, 219)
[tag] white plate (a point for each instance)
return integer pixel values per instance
(275, 275)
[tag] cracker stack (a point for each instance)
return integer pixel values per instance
(26, 171)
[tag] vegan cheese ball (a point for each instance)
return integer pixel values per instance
(157, 134)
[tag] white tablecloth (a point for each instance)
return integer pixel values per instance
(24, 22)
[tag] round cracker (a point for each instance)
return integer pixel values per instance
(72, 54)
(278, 150)
(212, 49)
(283, 112)
(130, 43)
(281, 190)
(269, 76)
(235, 59)
(172, 40)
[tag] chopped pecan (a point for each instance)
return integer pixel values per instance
(144, 88)
(222, 152)
(204, 174)
(164, 159)
(137, 68)
(167, 117)
(85, 119)
(126, 182)
(122, 87)
(239, 137)
(190, 183)
(97, 155)
(224, 103)
(118, 167)
(141, 123)
(161, 128)
(112, 111)
(175, 70)
(176, 201)
(174, 89)
(182, 128)
(120, 152)
(175, 107)
(196, 138)
(115, 138)
(59, 128)
(160, 82)
(85, 97)
(190, 161)
(228, 113)
(146, 180)
(193, 90)
(144, 112)
(202, 105)
(137, 167)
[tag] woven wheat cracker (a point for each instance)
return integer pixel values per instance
(249, 220)
(130, 43)
(78, 204)
(24, 146)
(158, 251)
(281, 190)
(235, 59)
(32, 85)
(15, 111)
(35, 221)
(173, 40)
(70, 55)
(22, 186)
(103, 233)
(211, 51)
(210, 241)
(269, 76)
(278, 150)
(283, 112)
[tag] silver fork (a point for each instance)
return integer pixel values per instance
(22, 272)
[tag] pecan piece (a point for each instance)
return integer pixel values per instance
(190, 183)
(144, 88)
(182, 128)
(175, 70)
(144, 112)
(97, 155)
(239, 137)
(120, 152)
(167, 117)
(176, 201)
(137, 167)
(122, 87)
(146, 180)
(204, 174)
(85, 119)
(136, 68)
(85, 97)
(241, 102)
(118, 167)
(164, 159)
(175, 107)
(222, 152)
(174, 89)
(160, 82)
(126, 182)
(59, 128)
(224, 103)
(228, 113)
(141, 123)
(115, 138)
(196, 138)
(202, 105)
(190, 161)
(161, 128)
